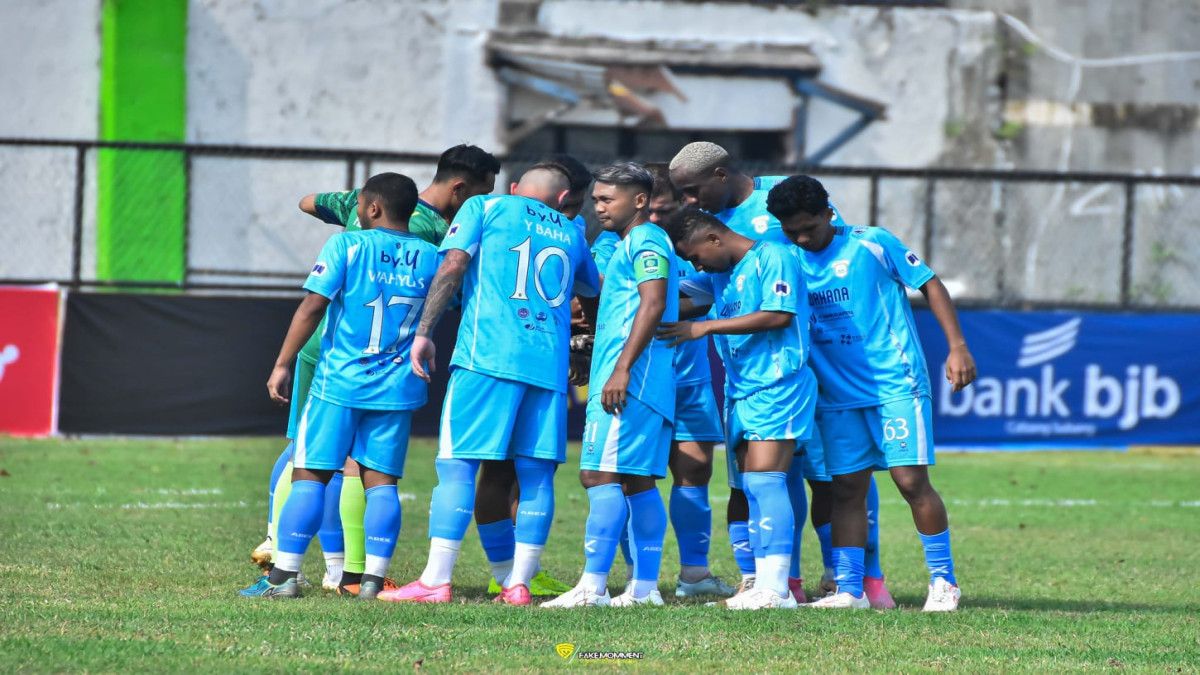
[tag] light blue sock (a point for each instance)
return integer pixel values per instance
(381, 525)
(499, 541)
(606, 518)
(775, 521)
(453, 502)
(799, 499)
(872, 559)
(535, 510)
(625, 553)
(331, 535)
(825, 536)
(691, 517)
(647, 531)
(937, 556)
(299, 520)
(848, 561)
(280, 464)
(739, 540)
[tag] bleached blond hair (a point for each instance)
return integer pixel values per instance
(699, 156)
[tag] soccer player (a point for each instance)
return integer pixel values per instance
(496, 492)
(517, 261)
(463, 171)
(631, 399)
(758, 295)
(875, 409)
(363, 391)
(696, 428)
(707, 176)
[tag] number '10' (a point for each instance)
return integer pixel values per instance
(539, 263)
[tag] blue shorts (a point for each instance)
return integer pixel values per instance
(696, 414)
(485, 417)
(636, 442)
(813, 457)
(784, 411)
(879, 437)
(329, 433)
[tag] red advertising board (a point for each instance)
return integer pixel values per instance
(29, 341)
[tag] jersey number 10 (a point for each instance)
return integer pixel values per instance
(539, 264)
(412, 310)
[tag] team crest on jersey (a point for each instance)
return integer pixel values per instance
(452, 230)
(783, 288)
(318, 269)
(761, 223)
(912, 259)
(841, 268)
(741, 282)
(860, 230)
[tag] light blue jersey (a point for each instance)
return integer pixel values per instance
(376, 282)
(766, 279)
(527, 260)
(691, 358)
(645, 254)
(865, 346)
(603, 247)
(768, 182)
(751, 220)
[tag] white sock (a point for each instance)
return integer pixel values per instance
(288, 562)
(443, 553)
(525, 564)
(501, 570)
(337, 560)
(642, 587)
(334, 572)
(376, 565)
(773, 573)
(690, 574)
(597, 582)
(747, 578)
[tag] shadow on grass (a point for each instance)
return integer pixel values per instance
(1054, 605)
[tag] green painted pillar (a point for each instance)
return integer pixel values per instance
(141, 194)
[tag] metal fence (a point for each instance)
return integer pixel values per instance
(997, 238)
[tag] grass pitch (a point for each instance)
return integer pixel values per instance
(123, 556)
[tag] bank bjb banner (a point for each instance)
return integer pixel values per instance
(1053, 379)
(29, 318)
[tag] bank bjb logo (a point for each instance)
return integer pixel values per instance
(1048, 395)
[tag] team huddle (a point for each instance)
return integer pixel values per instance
(825, 382)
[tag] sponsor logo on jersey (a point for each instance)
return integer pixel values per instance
(782, 288)
(452, 231)
(912, 259)
(828, 296)
(523, 313)
(841, 268)
(741, 282)
(319, 269)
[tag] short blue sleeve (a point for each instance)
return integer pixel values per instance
(328, 275)
(466, 231)
(901, 263)
(603, 248)
(779, 274)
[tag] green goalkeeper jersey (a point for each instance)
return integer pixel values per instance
(341, 208)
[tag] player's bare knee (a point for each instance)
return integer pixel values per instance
(850, 488)
(913, 483)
